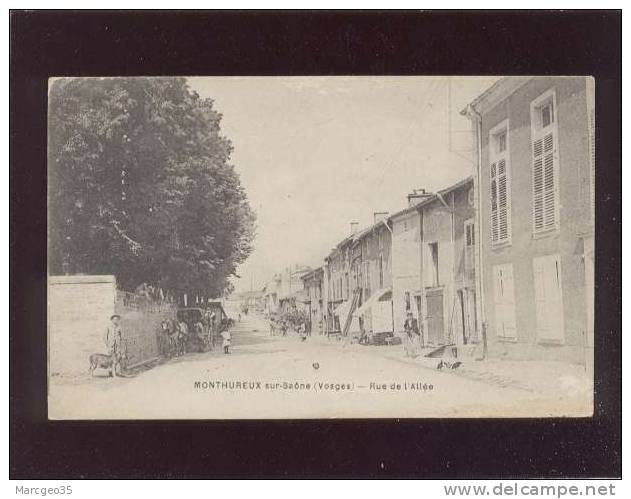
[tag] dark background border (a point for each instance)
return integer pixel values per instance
(49, 43)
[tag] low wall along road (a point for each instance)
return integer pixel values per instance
(79, 310)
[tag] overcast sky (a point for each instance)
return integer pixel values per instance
(315, 153)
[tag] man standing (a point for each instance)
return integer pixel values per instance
(115, 345)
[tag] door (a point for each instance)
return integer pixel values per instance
(435, 322)
(504, 298)
(460, 319)
(470, 314)
(548, 298)
(469, 252)
(419, 315)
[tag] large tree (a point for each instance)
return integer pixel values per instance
(141, 185)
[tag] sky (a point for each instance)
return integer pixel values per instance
(316, 153)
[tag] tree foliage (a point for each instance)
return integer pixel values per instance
(141, 186)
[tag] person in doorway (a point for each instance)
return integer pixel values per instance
(239, 317)
(115, 344)
(413, 335)
(227, 338)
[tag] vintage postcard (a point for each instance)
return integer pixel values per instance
(320, 247)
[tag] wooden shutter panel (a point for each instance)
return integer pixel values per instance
(592, 157)
(549, 181)
(504, 294)
(548, 297)
(540, 298)
(510, 329)
(494, 204)
(502, 198)
(499, 302)
(537, 172)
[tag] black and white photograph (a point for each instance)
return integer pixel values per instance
(374, 245)
(320, 247)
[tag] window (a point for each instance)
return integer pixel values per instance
(547, 114)
(433, 254)
(545, 163)
(408, 304)
(469, 233)
(504, 301)
(380, 271)
(501, 142)
(500, 183)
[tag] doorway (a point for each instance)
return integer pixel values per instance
(435, 321)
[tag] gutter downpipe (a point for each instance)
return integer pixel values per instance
(475, 117)
(421, 314)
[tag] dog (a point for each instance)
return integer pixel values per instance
(448, 365)
(102, 361)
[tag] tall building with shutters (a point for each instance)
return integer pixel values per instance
(535, 175)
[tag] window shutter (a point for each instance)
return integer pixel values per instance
(504, 295)
(537, 171)
(548, 297)
(540, 298)
(494, 204)
(510, 330)
(592, 158)
(502, 198)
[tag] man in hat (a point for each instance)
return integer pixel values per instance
(114, 341)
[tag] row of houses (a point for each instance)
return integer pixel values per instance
(285, 291)
(501, 262)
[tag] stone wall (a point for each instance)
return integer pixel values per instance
(79, 310)
(140, 320)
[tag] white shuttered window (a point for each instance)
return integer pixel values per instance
(549, 298)
(499, 155)
(545, 163)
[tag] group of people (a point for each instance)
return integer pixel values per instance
(280, 326)
(174, 338)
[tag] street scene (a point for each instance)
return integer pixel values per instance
(343, 247)
(285, 377)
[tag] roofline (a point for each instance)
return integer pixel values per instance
(434, 197)
(457, 185)
(493, 95)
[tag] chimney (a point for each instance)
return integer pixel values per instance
(378, 216)
(354, 228)
(417, 195)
